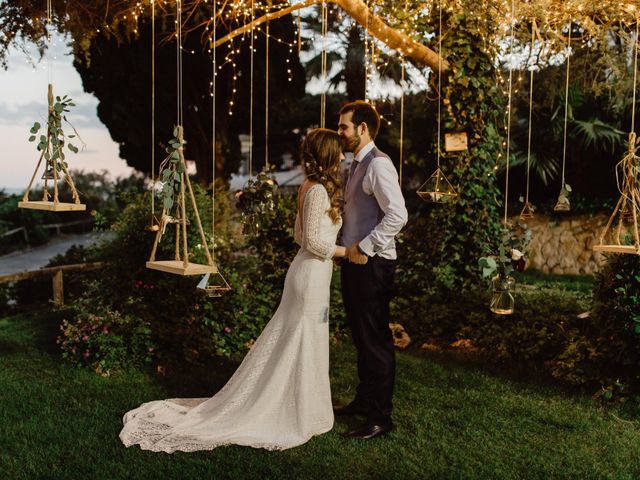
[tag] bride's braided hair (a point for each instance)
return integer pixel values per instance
(320, 155)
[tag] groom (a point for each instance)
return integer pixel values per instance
(374, 213)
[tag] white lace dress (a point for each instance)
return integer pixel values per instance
(279, 397)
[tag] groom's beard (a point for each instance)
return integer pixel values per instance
(349, 144)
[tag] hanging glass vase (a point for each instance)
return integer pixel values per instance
(503, 294)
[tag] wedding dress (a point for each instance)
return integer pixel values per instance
(279, 397)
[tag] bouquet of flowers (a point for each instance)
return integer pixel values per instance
(511, 253)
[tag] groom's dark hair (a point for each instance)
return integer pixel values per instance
(363, 112)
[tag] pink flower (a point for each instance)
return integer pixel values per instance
(85, 338)
(227, 330)
(105, 329)
(150, 349)
(86, 354)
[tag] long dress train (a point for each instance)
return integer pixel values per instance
(279, 397)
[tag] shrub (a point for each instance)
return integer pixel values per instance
(103, 338)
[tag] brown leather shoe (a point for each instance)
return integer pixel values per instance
(369, 430)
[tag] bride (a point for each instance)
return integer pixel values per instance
(279, 397)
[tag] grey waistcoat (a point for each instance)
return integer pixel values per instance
(361, 211)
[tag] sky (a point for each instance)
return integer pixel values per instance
(23, 101)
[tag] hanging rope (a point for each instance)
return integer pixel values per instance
(439, 79)
(153, 110)
(323, 62)
(635, 79)
(179, 60)
(213, 134)
(251, 97)
(566, 105)
(366, 57)
(401, 122)
(533, 41)
(506, 188)
(48, 35)
(266, 101)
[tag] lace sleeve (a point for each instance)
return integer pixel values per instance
(315, 208)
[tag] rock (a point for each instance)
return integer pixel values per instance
(401, 338)
(464, 344)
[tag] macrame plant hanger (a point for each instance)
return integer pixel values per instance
(213, 284)
(628, 207)
(437, 188)
(154, 223)
(563, 204)
(51, 151)
(528, 209)
(175, 188)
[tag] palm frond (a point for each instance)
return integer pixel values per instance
(596, 134)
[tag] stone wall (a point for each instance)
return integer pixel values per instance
(564, 245)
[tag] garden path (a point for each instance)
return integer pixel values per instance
(38, 257)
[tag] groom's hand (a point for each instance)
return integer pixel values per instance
(354, 255)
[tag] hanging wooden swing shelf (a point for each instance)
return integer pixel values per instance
(53, 171)
(52, 206)
(178, 267)
(627, 209)
(180, 264)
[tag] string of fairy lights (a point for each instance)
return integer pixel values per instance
(491, 19)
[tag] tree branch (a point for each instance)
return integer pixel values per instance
(359, 11)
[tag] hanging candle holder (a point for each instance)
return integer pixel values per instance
(213, 285)
(527, 211)
(437, 189)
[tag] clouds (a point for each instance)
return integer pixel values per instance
(23, 100)
(83, 115)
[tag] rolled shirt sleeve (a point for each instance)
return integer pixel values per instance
(381, 180)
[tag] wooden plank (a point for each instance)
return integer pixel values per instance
(617, 249)
(51, 206)
(49, 271)
(177, 267)
(58, 289)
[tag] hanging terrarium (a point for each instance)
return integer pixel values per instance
(563, 204)
(527, 211)
(437, 189)
(51, 147)
(213, 285)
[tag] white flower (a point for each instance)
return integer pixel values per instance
(516, 255)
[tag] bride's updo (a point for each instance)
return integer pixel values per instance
(320, 154)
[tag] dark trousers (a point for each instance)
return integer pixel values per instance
(367, 291)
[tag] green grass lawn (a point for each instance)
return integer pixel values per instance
(453, 421)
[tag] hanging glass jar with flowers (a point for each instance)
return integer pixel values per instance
(499, 268)
(256, 201)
